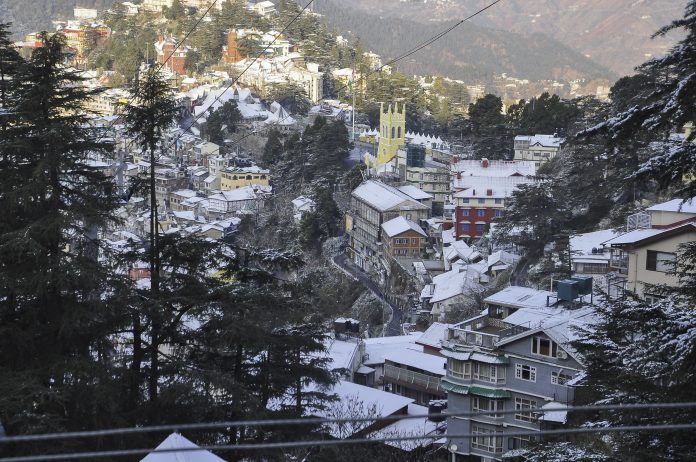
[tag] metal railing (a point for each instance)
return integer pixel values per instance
(423, 381)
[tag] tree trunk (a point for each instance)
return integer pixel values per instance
(153, 378)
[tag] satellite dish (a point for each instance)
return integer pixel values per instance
(453, 448)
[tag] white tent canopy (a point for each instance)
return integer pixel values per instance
(176, 441)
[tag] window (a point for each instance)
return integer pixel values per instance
(465, 212)
(522, 404)
(481, 212)
(458, 369)
(520, 442)
(544, 347)
(480, 227)
(398, 131)
(464, 227)
(465, 200)
(414, 241)
(488, 373)
(486, 439)
(559, 378)
(393, 132)
(498, 213)
(480, 404)
(481, 201)
(498, 201)
(660, 261)
(525, 372)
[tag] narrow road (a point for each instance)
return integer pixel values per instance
(393, 327)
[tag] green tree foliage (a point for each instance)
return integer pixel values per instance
(291, 96)
(273, 149)
(176, 11)
(546, 114)
(654, 104)
(490, 134)
(320, 224)
(643, 353)
(56, 313)
(222, 122)
(151, 112)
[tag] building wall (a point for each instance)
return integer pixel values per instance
(474, 224)
(236, 180)
(396, 248)
(639, 276)
(434, 181)
(659, 218)
(392, 123)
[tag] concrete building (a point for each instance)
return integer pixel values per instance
(238, 177)
(515, 356)
(482, 202)
(372, 204)
(646, 255)
(175, 57)
(392, 132)
(402, 238)
(537, 148)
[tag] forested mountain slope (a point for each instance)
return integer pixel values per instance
(469, 52)
(33, 15)
(616, 33)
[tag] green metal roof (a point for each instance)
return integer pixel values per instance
(474, 390)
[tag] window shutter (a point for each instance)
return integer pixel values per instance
(651, 261)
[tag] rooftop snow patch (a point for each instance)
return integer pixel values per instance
(400, 225)
(675, 205)
(176, 441)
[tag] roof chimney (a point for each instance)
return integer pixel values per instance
(459, 175)
(489, 192)
(484, 163)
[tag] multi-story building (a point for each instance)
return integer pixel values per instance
(238, 177)
(537, 148)
(372, 204)
(168, 180)
(515, 357)
(156, 6)
(172, 57)
(264, 8)
(646, 255)
(402, 238)
(430, 177)
(482, 202)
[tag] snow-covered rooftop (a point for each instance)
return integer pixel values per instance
(494, 168)
(582, 245)
(488, 187)
(409, 427)
(419, 360)
(384, 197)
(675, 205)
(453, 283)
(541, 140)
(176, 441)
(415, 193)
(434, 334)
(516, 296)
(377, 348)
(400, 225)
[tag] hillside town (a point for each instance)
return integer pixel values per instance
(303, 250)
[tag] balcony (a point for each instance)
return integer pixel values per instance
(418, 380)
(483, 332)
(619, 264)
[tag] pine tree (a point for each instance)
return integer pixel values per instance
(660, 101)
(642, 353)
(151, 112)
(56, 319)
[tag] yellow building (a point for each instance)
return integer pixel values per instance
(235, 178)
(392, 126)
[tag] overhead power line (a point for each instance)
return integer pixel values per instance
(406, 54)
(320, 421)
(344, 442)
(196, 118)
(163, 63)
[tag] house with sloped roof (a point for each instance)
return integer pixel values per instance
(402, 238)
(537, 148)
(372, 204)
(517, 355)
(645, 257)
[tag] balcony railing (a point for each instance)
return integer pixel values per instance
(423, 381)
(620, 264)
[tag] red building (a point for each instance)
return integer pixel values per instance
(175, 60)
(232, 53)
